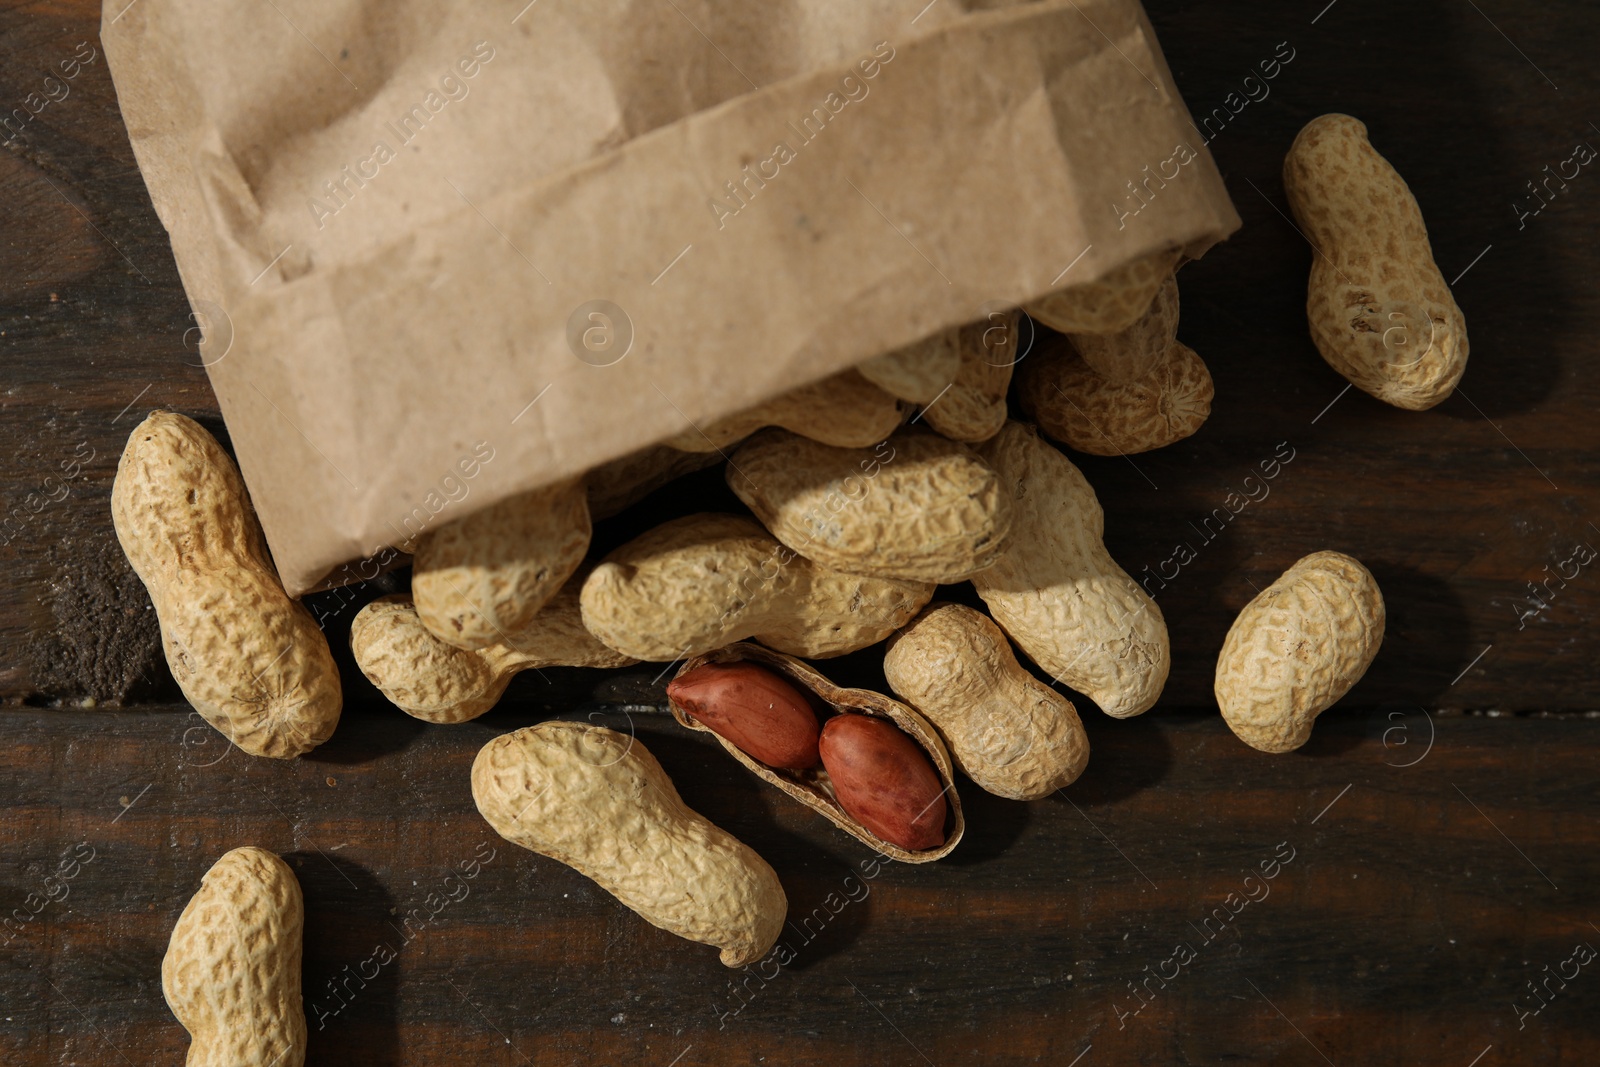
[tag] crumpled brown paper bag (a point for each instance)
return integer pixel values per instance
(449, 250)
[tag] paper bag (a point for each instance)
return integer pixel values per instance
(446, 251)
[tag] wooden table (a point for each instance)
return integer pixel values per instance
(1441, 821)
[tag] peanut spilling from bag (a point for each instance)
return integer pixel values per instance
(917, 507)
(597, 801)
(1114, 394)
(1058, 593)
(702, 581)
(428, 679)
(231, 974)
(1297, 648)
(1007, 731)
(973, 408)
(1380, 311)
(1100, 417)
(1112, 303)
(919, 371)
(481, 580)
(252, 661)
(844, 410)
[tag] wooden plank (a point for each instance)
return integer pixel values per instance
(1456, 510)
(1421, 885)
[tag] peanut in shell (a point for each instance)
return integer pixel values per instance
(918, 507)
(231, 973)
(1006, 730)
(702, 581)
(1379, 309)
(598, 801)
(251, 661)
(1297, 648)
(1056, 591)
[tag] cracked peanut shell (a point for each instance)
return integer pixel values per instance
(917, 507)
(1380, 311)
(812, 786)
(252, 661)
(1056, 591)
(598, 801)
(1297, 648)
(231, 973)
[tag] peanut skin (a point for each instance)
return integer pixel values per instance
(884, 780)
(811, 785)
(231, 973)
(1380, 311)
(597, 801)
(1297, 648)
(1009, 732)
(252, 661)
(755, 708)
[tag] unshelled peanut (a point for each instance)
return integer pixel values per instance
(1380, 311)
(1133, 353)
(702, 581)
(917, 507)
(613, 487)
(481, 580)
(973, 408)
(597, 801)
(231, 973)
(1111, 304)
(252, 661)
(430, 680)
(1007, 731)
(1297, 648)
(1101, 416)
(844, 410)
(917, 372)
(1058, 593)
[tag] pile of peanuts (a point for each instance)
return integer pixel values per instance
(865, 492)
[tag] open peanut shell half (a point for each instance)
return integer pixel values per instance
(812, 786)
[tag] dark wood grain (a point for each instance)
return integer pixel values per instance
(1402, 930)
(1441, 861)
(1456, 510)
